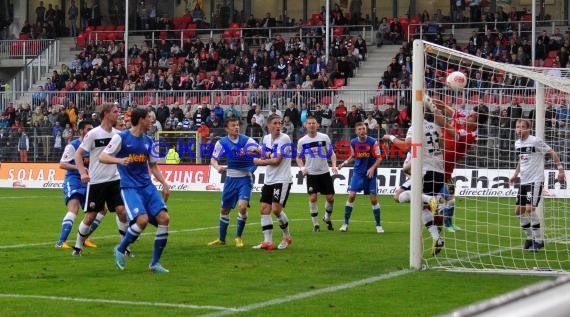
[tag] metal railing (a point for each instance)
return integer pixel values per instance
(23, 49)
(492, 149)
(280, 97)
(420, 30)
(33, 70)
(183, 35)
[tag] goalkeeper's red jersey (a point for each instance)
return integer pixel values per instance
(455, 148)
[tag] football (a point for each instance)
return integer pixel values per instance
(456, 81)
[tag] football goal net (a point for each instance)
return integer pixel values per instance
(479, 225)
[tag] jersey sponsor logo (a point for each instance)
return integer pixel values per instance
(102, 142)
(526, 150)
(138, 158)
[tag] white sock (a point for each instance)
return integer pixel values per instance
(122, 226)
(427, 217)
(329, 206)
(267, 227)
(314, 209)
(405, 196)
(525, 224)
(82, 234)
(284, 224)
(69, 216)
(535, 227)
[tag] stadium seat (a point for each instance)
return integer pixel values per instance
(326, 100)
(548, 62)
(530, 100)
(316, 17)
(504, 100)
(474, 99)
(487, 99)
(380, 100)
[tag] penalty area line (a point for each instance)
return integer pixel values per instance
(309, 294)
(114, 301)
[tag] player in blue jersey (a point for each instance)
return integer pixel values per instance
(239, 151)
(367, 155)
(73, 189)
(130, 151)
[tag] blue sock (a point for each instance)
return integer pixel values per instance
(96, 222)
(241, 224)
(159, 243)
(376, 212)
(132, 234)
(224, 223)
(347, 212)
(448, 216)
(66, 226)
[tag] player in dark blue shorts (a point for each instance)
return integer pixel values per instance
(73, 189)
(143, 203)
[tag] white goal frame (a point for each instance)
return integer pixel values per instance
(419, 49)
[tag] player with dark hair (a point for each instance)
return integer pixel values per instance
(367, 157)
(143, 203)
(238, 184)
(73, 189)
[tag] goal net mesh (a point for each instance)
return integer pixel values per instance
(486, 234)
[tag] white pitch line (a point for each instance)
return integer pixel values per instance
(37, 244)
(24, 197)
(308, 294)
(114, 301)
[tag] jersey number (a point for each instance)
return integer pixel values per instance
(432, 140)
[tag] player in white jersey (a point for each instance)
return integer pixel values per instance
(402, 194)
(103, 188)
(277, 152)
(313, 152)
(433, 171)
(530, 151)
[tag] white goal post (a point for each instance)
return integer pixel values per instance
(487, 235)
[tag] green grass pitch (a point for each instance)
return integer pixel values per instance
(357, 273)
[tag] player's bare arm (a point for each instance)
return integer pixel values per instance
(83, 172)
(558, 163)
(516, 174)
(158, 175)
(215, 164)
(109, 159)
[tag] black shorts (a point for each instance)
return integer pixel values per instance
(529, 194)
(322, 184)
(276, 193)
(433, 183)
(103, 193)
